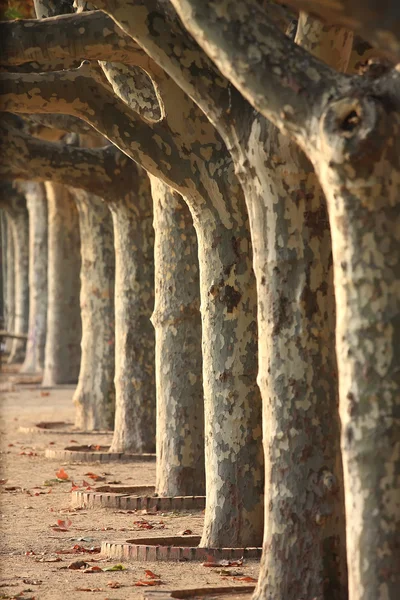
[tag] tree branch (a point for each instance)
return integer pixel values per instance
(88, 35)
(157, 148)
(280, 79)
(155, 27)
(104, 171)
(378, 24)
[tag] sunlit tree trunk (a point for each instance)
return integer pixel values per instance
(177, 322)
(94, 397)
(37, 209)
(134, 429)
(62, 351)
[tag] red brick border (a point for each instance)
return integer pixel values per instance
(132, 501)
(139, 550)
(67, 430)
(206, 592)
(78, 454)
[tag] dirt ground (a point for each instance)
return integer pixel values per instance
(30, 567)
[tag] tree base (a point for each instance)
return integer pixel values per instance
(135, 498)
(180, 548)
(233, 592)
(59, 427)
(88, 454)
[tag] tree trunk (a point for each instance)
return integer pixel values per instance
(62, 352)
(94, 397)
(134, 429)
(177, 321)
(37, 208)
(9, 282)
(304, 505)
(19, 222)
(360, 173)
(232, 408)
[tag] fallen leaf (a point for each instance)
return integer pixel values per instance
(143, 524)
(224, 563)
(3, 481)
(89, 589)
(78, 564)
(93, 569)
(30, 553)
(114, 584)
(44, 394)
(250, 579)
(73, 441)
(186, 532)
(95, 477)
(62, 525)
(115, 568)
(148, 582)
(61, 474)
(151, 575)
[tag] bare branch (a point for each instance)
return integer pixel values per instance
(280, 79)
(377, 23)
(88, 35)
(104, 171)
(159, 149)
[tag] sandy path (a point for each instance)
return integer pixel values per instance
(29, 511)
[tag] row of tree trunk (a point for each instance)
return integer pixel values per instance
(304, 184)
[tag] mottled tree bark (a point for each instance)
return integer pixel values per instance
(296, 314)
(134, 429)
(202, 172)
(177, 322)
(13, 200)
(94, 397)
(37, 208)
(62, 352)
(349, 129)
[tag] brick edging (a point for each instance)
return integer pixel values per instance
(152, 553)
(96, 499)
(97, 456)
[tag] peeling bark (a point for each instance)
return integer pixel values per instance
(134, 429)
(62, 351)
(37, 209)
(177, 322)
(13, 201)
(94, 397)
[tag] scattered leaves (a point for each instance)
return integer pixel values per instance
(148, 582)
(77, 549)
(151, 575)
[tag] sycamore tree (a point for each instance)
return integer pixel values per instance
(315, 152)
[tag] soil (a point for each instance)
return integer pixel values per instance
(30, 566)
